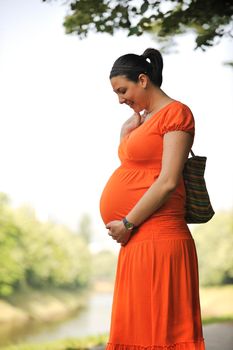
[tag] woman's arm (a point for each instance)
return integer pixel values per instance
(176, 147)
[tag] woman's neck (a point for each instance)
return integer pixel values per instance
(157, 100)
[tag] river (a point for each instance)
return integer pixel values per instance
(92, 320)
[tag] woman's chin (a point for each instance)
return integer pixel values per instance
(136, 109)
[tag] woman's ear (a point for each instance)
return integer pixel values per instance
(143, 80)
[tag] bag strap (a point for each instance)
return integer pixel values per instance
(192, 153)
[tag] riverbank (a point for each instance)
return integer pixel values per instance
(40, 306)
(71, 315)
(52, 305)
(46, 305)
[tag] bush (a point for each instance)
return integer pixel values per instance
(214, 242)
(39, 254)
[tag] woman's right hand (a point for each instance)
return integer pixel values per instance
(132, 123)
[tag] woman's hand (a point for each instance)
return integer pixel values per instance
(118, 232)
(132, 123)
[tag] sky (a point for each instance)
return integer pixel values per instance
(60, 120)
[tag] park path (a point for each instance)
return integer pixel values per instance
(219, 336)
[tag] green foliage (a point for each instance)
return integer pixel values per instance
(214, 242)
(39, 254)
(11, 269)
(228, 63)
(104, 266)
(84, 228)
(209, 20)
(4, 200)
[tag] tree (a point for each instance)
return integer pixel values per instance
(214, 242)
(11, 257)
(210, 20)
(104, 266)
(84, 228)
(53, 256)
(39, 254)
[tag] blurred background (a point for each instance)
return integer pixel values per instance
(60, 125)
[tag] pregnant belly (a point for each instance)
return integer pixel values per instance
(126, 186)
(122, 191)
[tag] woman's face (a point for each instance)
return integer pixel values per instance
(129, 92)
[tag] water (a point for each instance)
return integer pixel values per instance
(93, 320)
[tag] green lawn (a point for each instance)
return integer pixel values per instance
(217, 303)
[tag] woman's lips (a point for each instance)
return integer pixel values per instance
(129, 104)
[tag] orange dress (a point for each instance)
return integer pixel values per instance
(156, 296)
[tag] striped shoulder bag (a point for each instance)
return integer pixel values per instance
(198, 206)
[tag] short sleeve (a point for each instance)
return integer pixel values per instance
(178, 118)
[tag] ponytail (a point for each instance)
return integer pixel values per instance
(156, 62)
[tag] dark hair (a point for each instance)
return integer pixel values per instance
(132, 66)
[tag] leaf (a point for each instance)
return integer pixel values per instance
(133, 31)
(228, 63)
(144, 6)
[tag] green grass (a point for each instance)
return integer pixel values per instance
(46, 305)
(209, 320)
(217, 303)
(66, 344)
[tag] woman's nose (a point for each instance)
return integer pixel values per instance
(121, 99)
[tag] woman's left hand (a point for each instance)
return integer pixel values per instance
(118, 232)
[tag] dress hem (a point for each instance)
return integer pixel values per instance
(187, 345)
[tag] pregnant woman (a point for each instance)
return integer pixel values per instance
(156, 296)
